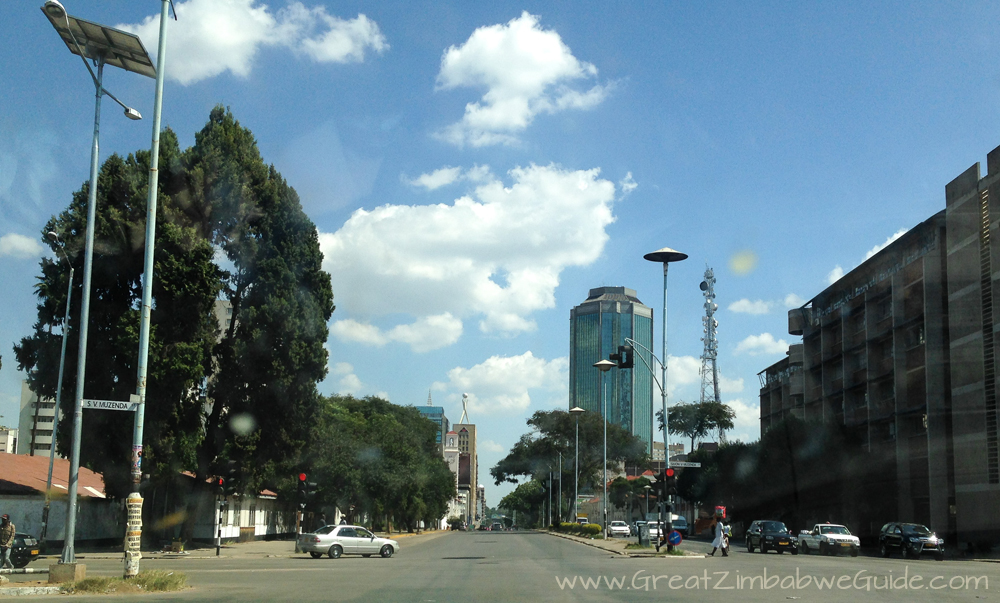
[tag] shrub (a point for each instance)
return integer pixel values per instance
(590, 529)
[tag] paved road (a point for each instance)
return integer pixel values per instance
(483, 567)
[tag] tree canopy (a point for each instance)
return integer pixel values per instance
(697, 420)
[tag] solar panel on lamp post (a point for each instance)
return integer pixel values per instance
(105, 46)
(665, 256)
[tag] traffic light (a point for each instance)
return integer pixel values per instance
(230, 478)
(627, 353)
(220, 486)
(669, 481)
(300, 493)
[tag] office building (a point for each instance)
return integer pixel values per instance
(598, 326)
(436, 414)
(902, 351)
(8, 441)
(34, 424)
(468, 467)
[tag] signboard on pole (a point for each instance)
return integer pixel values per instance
(684, 464)
(110, 405)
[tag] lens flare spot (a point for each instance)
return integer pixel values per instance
(243, 424)
(743, 262)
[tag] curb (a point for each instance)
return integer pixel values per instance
(586, 542)
(15, 591)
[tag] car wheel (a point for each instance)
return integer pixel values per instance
(854, 552)
(795, 551)
(749, 546)
(386, 551)
(763, 547)
(805, 548)
(906, 552)
(939, 556)
(21, 564)
(883, 550)
(823, 549)
(316, 555)
(335, 551)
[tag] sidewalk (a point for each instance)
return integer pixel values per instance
(617, 546)
(253, 549)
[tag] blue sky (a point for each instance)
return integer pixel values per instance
(474, 169)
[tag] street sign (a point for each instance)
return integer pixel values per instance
(674, 538)
(684, 464)
(111, 405)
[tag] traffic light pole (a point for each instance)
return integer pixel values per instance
(218, 534)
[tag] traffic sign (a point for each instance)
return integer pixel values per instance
(684, 464)
(110, 405)
(674, 538)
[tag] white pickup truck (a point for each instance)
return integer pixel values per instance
(829, 539)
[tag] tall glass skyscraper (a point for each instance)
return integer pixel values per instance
(597, 327)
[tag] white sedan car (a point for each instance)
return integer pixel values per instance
(346, 540)
(619, 528)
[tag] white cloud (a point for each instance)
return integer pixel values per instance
(501, 384)
(730, 386)
(496, 253)
(489, 446)
(525, 69)
(682, 370)
(888, 241)
(627, 184)
(20, 246)
(756, 345)
(794, 301)
(348, 382)
(437, 178)
(214, 36)
(450, 175)
(746, 425)
(745, 306)
(835, 275)
(423, 335)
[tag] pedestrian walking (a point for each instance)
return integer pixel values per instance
(727, 532)
(7, 532)
(718, 537)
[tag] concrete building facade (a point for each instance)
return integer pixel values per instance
(597, 327)
(902, 351)
(35, 423)
(468, 467)
(8, 441)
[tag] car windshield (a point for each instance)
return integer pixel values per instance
(375, 225)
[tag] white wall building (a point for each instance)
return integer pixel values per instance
(35, 423)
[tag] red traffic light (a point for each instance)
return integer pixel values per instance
(669, 472)
(302, 477)
(221, 481)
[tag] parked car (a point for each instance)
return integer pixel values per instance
(654, 530)
(24, 551)
(346, 540)
(619, 528)
(496, 527)
(769, 535)
(910, 539)
(681, 525)
(829, 539)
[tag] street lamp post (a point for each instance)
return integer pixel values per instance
(120, 49)
(576, 411)
(559, 500)
(665, 256)
(647, 488)
(604, 366)
(62, 365)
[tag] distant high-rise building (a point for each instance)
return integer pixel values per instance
(35, 423)
(436, 414)
(8, 440)
(597, 327)
(468, 470)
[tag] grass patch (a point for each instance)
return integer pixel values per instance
(146, 582)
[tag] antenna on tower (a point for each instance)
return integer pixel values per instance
(429, 398)
(709, 366)
(465, 409)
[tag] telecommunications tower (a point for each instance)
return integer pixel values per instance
(709, 367)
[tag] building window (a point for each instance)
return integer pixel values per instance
(237, 513)
(43, 446)
(253, 514)
(229, 311)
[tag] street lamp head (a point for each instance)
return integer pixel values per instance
(576, 410)
(605, 365)
(132, 114)
(662, 256)
(52, 235)
(54, 9)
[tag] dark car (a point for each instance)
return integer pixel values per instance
(24, 551)
(911, 540)
(769, 535)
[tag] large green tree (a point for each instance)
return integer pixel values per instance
(554, 433)
(698, 419)
(182, 328)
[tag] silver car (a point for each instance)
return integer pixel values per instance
(346, 540)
